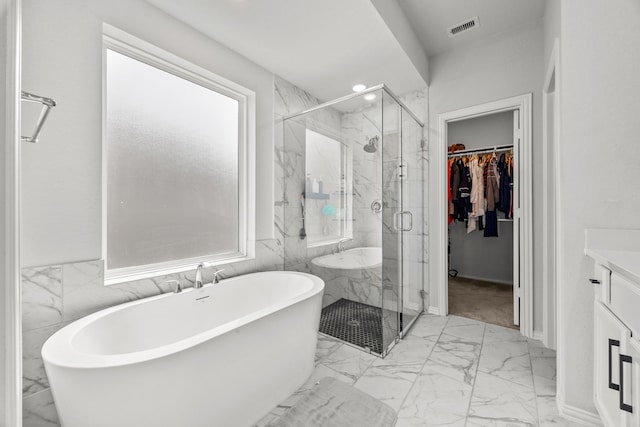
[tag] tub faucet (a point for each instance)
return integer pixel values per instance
(198, 282)
(215, 275)
(341, 245)
(178, 288)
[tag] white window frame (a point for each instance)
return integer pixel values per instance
(133, 47)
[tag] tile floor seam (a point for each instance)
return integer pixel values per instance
(533, 381)
(475, 377)
(365, 369)
(340, 344)
(507, 380)
(421, 368)
(337, 372)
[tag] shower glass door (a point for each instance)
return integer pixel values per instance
(402, 227)
(412, 234)
(351, 214)
(392, 218)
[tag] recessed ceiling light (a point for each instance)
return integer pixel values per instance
(370, 96)
(359, 88)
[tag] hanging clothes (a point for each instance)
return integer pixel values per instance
(449, 195)
(491, 226)
(510, 167)
(492, 190)
(479, 188)
(504, 186)
(493, 198)
(461, 191)
(477, 195)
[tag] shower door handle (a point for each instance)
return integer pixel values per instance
(399, 225)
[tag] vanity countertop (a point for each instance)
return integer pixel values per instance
(618, 250)
(626, 263)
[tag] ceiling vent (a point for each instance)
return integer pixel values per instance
(462, 27)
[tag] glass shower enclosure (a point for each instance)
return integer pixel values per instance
(354, 215)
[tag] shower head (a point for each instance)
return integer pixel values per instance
(372, 145)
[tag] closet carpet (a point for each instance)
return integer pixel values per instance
(485, 301)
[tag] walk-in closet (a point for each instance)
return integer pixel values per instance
(481, 166)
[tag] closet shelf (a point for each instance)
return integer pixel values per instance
(505, 219)
(497, 148)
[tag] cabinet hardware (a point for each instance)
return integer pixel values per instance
(595, 281)
(612, 343)
(628, 359)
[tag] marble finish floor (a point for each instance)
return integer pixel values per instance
(448, 371)
(480, 300)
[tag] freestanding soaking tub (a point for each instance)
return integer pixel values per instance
(219, 356)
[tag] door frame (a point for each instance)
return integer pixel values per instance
(550, 314)
(438, 242)
(11, 319)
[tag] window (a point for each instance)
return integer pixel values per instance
(328, 189)
(177, 151)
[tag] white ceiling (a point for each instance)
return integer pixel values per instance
(431, 18)
(327, 46)
(322, 46)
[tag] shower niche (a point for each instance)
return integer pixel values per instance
(328, 188)
(353, 178)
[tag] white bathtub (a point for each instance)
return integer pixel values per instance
(351, 259)
(222, 355)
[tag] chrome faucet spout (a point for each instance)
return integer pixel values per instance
(215, 275)
(198, 281)
(341, 243)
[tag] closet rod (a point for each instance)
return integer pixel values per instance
(481, 150)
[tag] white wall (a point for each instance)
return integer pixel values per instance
(482, 132)
(551, 27)
(62, 174)
(599, 160)
(3, 202)
(505, 66)
(473, 255)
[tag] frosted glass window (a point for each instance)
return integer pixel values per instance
(172, 149)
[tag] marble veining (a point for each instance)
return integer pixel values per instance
(509, 361)
(442, 374)
(456, 357)
(41, 297)
(38, 410)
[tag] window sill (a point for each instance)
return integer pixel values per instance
(131, 274)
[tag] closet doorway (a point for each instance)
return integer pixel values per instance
(486, 273)
(482, 166)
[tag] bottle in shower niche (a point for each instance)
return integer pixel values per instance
(316, 186)
(320, 185)
(308, 185)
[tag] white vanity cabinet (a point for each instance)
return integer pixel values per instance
(617, 348)
(632, 374)
(611, 340)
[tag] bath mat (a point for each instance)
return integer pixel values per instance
(332, 403)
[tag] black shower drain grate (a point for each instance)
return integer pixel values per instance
(354, 322)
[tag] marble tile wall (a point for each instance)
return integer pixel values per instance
(291, 157)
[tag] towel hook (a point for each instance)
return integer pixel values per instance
(47, 105)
